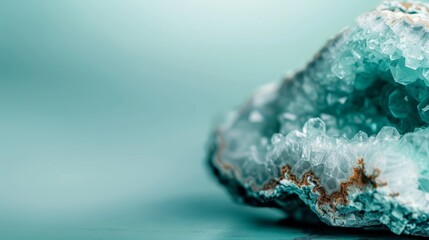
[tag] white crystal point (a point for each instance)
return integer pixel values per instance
(314, 126)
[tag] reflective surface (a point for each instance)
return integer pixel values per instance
(106, 107)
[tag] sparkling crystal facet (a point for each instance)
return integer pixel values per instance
(346, 138)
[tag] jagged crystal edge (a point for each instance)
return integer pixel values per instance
(347, 136)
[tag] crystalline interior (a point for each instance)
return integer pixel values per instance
(348, 134)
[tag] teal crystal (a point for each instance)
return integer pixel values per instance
(345, 140)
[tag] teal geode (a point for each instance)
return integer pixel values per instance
(346, 140)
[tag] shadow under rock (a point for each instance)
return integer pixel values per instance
(221, 209)
(323, 231)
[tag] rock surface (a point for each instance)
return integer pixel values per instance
(346, 139)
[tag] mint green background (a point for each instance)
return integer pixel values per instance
(106, 106)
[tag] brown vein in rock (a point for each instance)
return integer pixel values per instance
(358, 179)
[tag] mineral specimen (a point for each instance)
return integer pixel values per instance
(347, 138)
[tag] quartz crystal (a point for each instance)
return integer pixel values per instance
(346, 139)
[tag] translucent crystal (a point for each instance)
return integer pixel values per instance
(403, 74)
(347, 137)
(423, 108)
(314, 126)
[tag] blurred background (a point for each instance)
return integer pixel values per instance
(106, 106)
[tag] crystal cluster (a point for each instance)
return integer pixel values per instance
(345, 140)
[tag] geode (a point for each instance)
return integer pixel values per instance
(346, 139)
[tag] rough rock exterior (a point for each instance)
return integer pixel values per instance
(347, 137)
